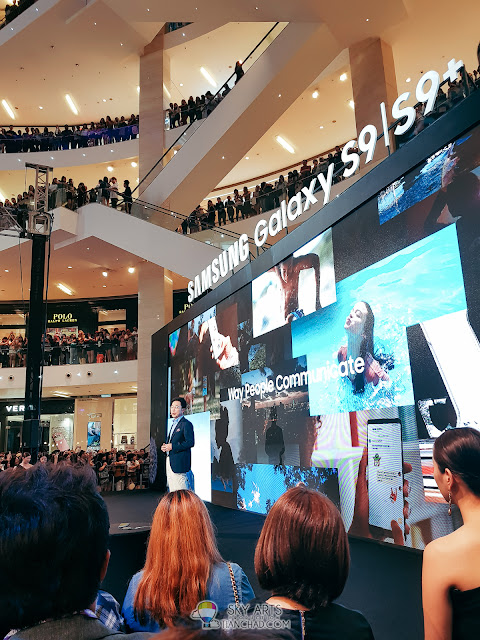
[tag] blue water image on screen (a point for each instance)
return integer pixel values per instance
(419, 283)
(260, 485)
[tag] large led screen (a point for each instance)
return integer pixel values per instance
(339, 366)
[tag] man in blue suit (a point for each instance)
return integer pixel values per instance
(178, 447)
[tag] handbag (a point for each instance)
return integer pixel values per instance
(234, 585)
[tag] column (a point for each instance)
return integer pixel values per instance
(373, 81)
(152, 124)
(155, 309)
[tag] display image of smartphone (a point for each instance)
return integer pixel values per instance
(385, 475)
(216, 338)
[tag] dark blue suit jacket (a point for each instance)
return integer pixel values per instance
(182, 440)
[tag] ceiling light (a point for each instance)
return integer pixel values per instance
(321, 126)
(104, 274)
(111, 150)
(408, 80)
(223, 157)
(104, 286)
(84, 154)
(8, 109)
(69, 267)
(283, 143)
(183, 34)
(110, 168)
(138, 89)
(71, 104)
(181, 84)
(351, 104)
(121, 44)
(65, 289)
(315, 94)
(367, 19)
(134, 164)
(247, 158)
(207, 77)
(6, 270)
(343, 77)
(131, 269)
(104, 100)
(40, 107)
(279, 95)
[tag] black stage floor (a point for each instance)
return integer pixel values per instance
(384, 581)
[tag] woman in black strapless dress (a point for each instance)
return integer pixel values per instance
(451, 565)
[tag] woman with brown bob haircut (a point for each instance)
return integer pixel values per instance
(182, 568)
(303, 558)
(451, 564)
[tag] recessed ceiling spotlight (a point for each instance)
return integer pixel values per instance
(408, 80)
(111, 150)
(110, 168)
(131, 269)
(6, 270)
(134, 164)
(104, 274)
(183, 34)
(121, 44)
(315, 94)
(367, 19)
(247, 158)
(351, 104)
(223, 157)
(84, 154)
(40, 107)
(181, 84)
(104, 100)
(69, 267)
(321, 126)
(279, 95)
(94, 24)
(104, 286)
(343, 77)
(283, 143)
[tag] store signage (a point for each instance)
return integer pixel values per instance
(239, 251)
(62, 317)
(15, 408)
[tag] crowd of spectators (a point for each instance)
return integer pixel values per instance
(178, 115)
(32, 139)
(115, 470)
(52, 517)
(15, 9)
(268, 195)
(118, 345)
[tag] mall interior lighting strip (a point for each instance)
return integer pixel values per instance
(71, 104)
(8, 109)
(208, 77)
(65, 289)
(283, 143)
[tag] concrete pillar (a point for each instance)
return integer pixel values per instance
(152, 134)
(155, 309)
(373, 81)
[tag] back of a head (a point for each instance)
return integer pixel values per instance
(53, 543)
(181, 551)
(459, 450)
(303, 551)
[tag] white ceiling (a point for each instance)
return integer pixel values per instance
(88, 258)
(107, 70)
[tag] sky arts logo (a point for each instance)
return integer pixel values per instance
(206, 612)
(240, 616)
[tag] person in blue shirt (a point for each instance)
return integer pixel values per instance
(182, 568)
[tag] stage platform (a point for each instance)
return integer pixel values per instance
(384, 582)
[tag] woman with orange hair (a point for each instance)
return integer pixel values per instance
(183, 567)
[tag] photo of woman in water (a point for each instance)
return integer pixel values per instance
(360, 344)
